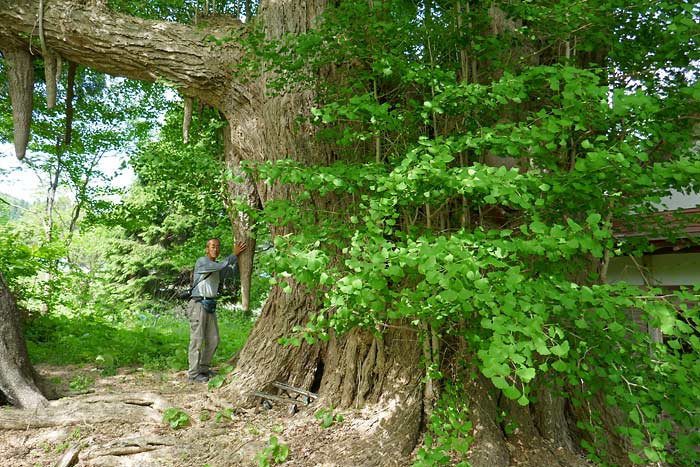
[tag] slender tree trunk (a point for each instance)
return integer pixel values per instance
(245, 192)
(51, 196)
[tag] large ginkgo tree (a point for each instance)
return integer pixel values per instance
(444, 182)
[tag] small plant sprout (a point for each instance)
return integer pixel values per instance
(274, 454)
(175, 417)
(326, 417)
(226, 413)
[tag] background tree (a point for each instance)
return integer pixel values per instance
(91, 119)
(19, 383)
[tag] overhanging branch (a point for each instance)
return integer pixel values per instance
(122, 45)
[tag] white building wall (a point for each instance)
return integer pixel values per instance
(666, 269)
(679, 200)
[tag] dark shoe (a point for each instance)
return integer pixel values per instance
(200, 378)
(210, 373)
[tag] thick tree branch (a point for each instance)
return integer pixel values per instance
(126, 46)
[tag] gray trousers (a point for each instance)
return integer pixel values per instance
(204, 338)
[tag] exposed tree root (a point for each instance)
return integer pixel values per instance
(70, 457)
(215, 404)
(115, 453)
(135, 409)
(126, 429)
(128, 408)
(128, 447)
(381, 434)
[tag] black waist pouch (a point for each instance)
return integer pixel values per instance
(209, 305)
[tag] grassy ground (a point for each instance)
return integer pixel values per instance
(154, 342)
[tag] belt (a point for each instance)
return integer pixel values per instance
(199, 299)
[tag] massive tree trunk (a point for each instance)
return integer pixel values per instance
(348, 371)
(353, 370)
(19, 383)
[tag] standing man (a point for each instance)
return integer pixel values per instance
(201, 310)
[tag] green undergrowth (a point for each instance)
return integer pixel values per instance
(154, 342)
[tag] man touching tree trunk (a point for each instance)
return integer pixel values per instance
(201, 310)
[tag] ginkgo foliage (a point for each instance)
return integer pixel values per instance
(492, 155)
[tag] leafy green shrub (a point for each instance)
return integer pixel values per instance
(24, 259)
(18, 259)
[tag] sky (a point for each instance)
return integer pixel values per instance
(23, 183)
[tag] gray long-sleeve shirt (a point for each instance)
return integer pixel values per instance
(217, 270)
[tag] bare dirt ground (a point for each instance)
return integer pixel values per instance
(118, 421)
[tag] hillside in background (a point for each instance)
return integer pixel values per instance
(11, 208)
